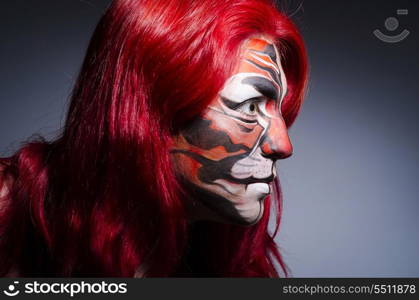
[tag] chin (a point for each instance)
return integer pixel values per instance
(252, 214)
(241, 210)
(244, 207)
(247, 204)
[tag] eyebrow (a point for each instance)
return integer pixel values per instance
(263, 86)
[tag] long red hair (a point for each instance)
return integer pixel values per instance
(102, 198)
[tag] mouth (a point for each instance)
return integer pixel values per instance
(252, 180)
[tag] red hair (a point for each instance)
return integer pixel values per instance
(102, 199)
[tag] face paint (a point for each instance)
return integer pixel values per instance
(227, 156)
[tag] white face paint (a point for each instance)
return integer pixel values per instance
(229, 153)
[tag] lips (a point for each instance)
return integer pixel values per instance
(259, 188)
(251, 180)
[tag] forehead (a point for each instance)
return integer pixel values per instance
(259, 44)
(261, 52)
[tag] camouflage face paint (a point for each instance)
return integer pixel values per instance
(228, 154)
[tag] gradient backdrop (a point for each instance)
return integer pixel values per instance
(351, 188)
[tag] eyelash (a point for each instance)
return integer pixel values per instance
(253, 106)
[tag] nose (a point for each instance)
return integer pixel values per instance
(276, 143)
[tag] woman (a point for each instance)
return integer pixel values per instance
(166, 161)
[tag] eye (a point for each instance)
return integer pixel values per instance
(250, 107)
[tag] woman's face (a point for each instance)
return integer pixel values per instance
(226, 157)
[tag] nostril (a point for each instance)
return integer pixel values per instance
(274, 155)
(276, 150)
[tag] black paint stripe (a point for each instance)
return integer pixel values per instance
(269, 50)
(200, 134)
(263, 86)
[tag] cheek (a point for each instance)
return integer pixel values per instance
(236, 131)
(211, 145)
(186, 166)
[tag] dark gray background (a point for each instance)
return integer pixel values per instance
(351, 188)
